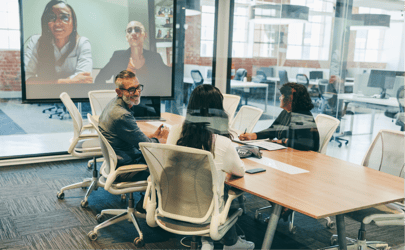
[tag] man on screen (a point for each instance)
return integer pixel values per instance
(147, 65)
(118, 124)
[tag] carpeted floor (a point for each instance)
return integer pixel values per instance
(8, 126)
(31, 217)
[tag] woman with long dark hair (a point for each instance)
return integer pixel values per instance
(59, 54)
(295, 126)
(206, 127)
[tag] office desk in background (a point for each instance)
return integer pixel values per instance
(330, 187)
(368, 102)
(238, 84)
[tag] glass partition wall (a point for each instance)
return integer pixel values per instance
(345, 52)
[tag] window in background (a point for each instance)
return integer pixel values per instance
(311, 40)
(9, 25)
(207, 30)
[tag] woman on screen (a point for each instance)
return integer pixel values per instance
(59, 54)
(206, 127)
(295, 126)
(147, 65)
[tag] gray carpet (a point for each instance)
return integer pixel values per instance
(31, 217)
(8, 126)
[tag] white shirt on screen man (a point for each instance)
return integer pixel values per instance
(79, 60)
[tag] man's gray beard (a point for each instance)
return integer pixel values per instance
(128, 101)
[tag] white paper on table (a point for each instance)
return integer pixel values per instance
(157, 124)
(266, 144)
(286, 168)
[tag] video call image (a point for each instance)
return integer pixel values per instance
(75, 47)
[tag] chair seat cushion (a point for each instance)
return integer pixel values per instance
(381, 209)
(181, 225)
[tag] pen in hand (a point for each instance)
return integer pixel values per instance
(245, 131)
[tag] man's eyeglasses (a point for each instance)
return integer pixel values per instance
(132, 91)
(135, 29)
(64, 17)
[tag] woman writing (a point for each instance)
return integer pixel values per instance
(206, 127)
(59, 54)
(295, 126)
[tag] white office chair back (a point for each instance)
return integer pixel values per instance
(75, 114)
(246, 118)
(230, 104)
(110, 158)
(185, 180)
(386, 153)
(326, 125)
(99, 100)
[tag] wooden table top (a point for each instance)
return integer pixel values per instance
(332, 186)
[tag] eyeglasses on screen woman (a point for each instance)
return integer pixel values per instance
(64, 17)
(132, 91)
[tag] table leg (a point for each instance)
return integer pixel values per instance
(265, 100)
(271, 227)
(341, 230)
(372, 122)
(275, 96)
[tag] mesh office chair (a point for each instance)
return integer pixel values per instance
(189, 198)
(327, 125)
(329, 95)
(99, 100)
(197, 77)
(386, 154)
(107, 179)
(401, 115)
(246, 119)
(313, 91)
(230, 103)
(240, 74)
(282, 74)
(82, 145)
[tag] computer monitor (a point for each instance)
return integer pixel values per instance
(383, 79)
(268, 71)
(313, 75)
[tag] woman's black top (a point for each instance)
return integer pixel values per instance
(298, 127)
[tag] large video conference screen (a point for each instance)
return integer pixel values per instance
(75, 46)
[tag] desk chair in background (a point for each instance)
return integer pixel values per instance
(197, 80)
(230, 104)
(386, 154)
(84, 146)
(313, 92)
(330, 106)
(183, 207)
(57, 109)
(109, 174)
(240, 74)
(401, 115)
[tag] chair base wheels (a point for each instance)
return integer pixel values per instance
(92, 235)
(139, 242)
(60, 195)
(99, 218)
(84, 203)
(331, 224)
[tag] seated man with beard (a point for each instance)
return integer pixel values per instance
(118, 124)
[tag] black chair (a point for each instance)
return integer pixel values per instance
(313, 91)
(240, 74)
(282, 74)
(329, 106)
(401, 115)
(197, 80)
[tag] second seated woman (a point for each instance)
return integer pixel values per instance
(295, 126)
(206, 127)
(59, 54)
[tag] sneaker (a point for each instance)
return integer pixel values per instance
(206, 244)
(241, 244)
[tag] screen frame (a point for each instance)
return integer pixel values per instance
(86, 99)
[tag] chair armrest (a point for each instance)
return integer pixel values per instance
(88, 127)
(385, 219)
(87, 136)
(233, 193)
(131, 168)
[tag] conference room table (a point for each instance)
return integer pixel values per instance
(238, 85)
(368, 102)
(310, 183)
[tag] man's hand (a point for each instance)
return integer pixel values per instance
(334, 78)
(161, 133)
(248, 136)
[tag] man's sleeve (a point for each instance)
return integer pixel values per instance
(128, 130)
